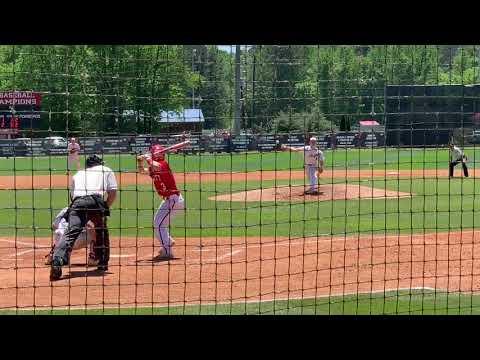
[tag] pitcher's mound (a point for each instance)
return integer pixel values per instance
(326, 192)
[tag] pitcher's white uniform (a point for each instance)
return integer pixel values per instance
(313, 156)
(314, 162)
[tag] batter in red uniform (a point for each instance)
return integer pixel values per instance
(165, 185)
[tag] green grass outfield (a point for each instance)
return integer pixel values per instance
(413, 302)
(437, 205)
(379, 158)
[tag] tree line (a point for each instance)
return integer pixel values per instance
(123, 88)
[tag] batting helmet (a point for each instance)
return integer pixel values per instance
(156, 151)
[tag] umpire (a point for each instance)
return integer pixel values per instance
(457, 156)
(88, 189)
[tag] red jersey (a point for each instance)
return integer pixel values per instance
(163, 179)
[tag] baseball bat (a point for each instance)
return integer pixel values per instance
(173, 147)
(177, 146)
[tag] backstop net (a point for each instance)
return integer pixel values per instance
(309, 179)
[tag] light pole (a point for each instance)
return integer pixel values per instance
(193, 70)
(238, 105)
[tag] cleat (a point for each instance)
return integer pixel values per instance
(92, 261)
(48, 259)
(102, 267)
(163, 256)
(55, 272)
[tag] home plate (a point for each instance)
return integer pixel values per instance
(121, 256)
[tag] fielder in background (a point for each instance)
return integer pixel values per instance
(88, 189)
(314, 160)
(73, 155)
(85, 240)
(457, 156)
(164, 181)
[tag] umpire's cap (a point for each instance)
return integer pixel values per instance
(93, 160)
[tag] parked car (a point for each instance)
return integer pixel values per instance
(55, 144)
(23, 146)
(476, 136)
(27, 141)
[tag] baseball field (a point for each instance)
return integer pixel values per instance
(391, 233)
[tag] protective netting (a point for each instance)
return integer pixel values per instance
(309, 179)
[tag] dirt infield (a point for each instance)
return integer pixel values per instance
(296, 193)
(124, 178)
(235, 270)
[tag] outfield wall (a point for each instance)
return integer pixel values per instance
(199, 143)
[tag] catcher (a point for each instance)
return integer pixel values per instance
(85, 240)
(457, 156)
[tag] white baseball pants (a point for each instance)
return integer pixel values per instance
(311, 171)
(163, 217)
(73, 162)
(82, 240)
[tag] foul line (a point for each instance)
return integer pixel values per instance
(23, 243)
(16, 254)
(230, 254)
(19, 253)
(233, 302)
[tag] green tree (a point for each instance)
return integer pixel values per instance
(464, 67)
(215, 85)
(302, 122)
(274, 72)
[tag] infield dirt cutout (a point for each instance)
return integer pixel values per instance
(326, 192)
(35, 181)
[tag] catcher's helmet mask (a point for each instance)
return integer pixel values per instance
(93, 160)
